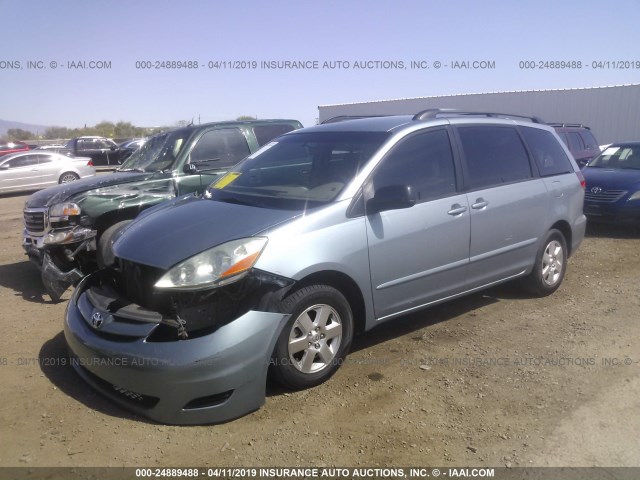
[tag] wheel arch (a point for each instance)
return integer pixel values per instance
(564, 228)
(345, 285)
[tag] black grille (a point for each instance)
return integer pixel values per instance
(34, 221)
(606, 196)
(135, 282)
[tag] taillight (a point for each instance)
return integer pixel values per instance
(583, 182)
(90, 164)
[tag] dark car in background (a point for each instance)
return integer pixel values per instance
(12, 147)
(129, 146)
(579, 140)
(612, 193)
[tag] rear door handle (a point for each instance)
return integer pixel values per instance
(457, 209)
(480, 204)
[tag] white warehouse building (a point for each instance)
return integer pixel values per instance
(612, 113)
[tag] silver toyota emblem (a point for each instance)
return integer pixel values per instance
(596, 190)
(97, 320)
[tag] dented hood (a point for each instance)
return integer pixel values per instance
(61, 193)
(181, 228)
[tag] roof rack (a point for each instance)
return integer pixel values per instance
(343, 118)
(435, 112)
(561, 125)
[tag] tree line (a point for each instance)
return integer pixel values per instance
(102, 129)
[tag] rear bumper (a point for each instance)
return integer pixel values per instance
(209, 379)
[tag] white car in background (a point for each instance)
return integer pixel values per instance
(34, 170)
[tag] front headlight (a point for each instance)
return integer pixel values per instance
(64, 210)
(635, 196)
(217, 266)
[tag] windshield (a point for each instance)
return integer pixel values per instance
(621, 157)
(158, 153)
(298, 171)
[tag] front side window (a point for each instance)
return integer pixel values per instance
(547, 152)
(23, 161)
(424, 161)
(493, 155)
(302, 170)
(220, 149)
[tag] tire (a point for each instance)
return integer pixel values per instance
(68, 177)
(104, 253)
(315, 340)
(550, 267)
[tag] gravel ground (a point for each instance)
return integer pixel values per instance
(493, 379)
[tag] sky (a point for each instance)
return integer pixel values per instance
(57, 36)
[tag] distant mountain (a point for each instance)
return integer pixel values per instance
(7, 124)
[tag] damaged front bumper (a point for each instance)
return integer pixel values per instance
(69, 243)
(210, 378)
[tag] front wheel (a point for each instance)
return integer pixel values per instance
(315, 340)
(550, 267)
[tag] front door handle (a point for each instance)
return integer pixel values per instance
(457, 209)
(480, 204)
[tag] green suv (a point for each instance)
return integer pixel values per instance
(67, 228)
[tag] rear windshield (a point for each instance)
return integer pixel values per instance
(298, 171)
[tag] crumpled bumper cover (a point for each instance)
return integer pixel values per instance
(208, 379)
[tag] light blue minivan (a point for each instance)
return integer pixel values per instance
(323, 233)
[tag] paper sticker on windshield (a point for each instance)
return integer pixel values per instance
(610, 151)
(226, 180)
(263, 149)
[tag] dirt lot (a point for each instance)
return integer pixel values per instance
(494, 379)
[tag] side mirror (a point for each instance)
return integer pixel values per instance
(190, 169)
(392, 197)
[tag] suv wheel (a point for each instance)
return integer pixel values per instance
(104, 253)
(551, 264)
(315, 340)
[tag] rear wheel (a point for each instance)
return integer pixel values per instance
(68, 177)
(551, 264)
(315, 340)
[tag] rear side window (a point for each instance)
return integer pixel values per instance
(575, 142)
(493, 156)
(589, 139)
(547, 152)
(220, 149)
(265, 133)
(423, 161)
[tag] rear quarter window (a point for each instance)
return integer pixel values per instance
(265, 133)
(547, 152)
(493, 156)
(589, 139)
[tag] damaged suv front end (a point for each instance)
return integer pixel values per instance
(62, 224)
(69, 228)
